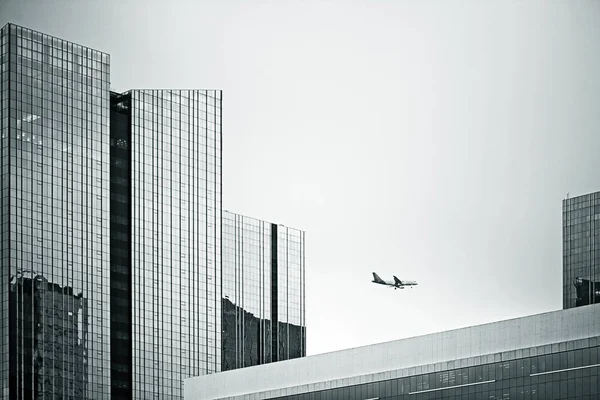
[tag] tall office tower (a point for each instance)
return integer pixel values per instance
(54, 285)
(581, 250)
(165, 239)
(263, 292)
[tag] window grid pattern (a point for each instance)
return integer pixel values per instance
(4, 234)
(246, 292)
(291, 312)
(564, 371)
(176, 239)
(55, 217)
(120, 247)
(581, 250)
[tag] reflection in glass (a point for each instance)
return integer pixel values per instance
(581, 250)
(587, 292)
(55, 217)
(263, 292)
(51, 323)
(175, 238)
(120, 230)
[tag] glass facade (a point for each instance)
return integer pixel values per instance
(55, 218)
(4, 215)
(246, 310)
(176, 238)
(560, 371)
(291, 317)
(263, 313)
(120, 247)
(64, 329)
(581, 250)
(111, 215)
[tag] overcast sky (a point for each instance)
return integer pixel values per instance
(433, 140)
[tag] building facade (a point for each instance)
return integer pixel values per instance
(121, 346)
(111, 215)
(547, 356)
(581, 250)
(263, 292)
(54, 217)
(165, 238)
(60, 317)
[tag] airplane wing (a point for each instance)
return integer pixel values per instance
(398, 281)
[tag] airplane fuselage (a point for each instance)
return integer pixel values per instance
(385, 282)
(404, 283)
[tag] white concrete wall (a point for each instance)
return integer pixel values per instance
(497, 337)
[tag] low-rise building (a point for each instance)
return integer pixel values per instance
(553, 355)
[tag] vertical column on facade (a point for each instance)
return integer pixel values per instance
(5, 216)
(274, 295)
(590, 213)
(303, 295)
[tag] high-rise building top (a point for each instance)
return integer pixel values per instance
(581, 250)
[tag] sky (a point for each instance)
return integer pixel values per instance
(431, 140)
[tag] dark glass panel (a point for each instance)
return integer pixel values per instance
(120, 247)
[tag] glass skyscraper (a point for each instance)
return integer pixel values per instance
(55, 285)
(581, 250)
(112, 262)
(263, 292)
(165, 238)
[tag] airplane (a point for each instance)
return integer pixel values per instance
(396, 284)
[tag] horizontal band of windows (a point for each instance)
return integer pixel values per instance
(452, 387)
(564, 370)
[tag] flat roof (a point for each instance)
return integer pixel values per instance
(474, 341)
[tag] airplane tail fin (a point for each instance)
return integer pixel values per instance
(398, 281)
(376, 278)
